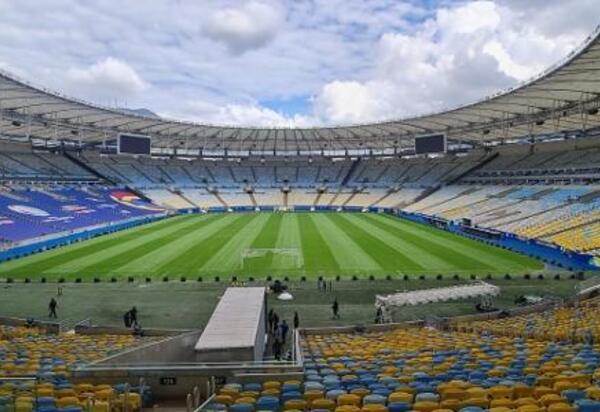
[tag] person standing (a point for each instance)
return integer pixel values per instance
(277, 348)
(270, 320)
(275, 323)
(133, 315)
(283, 329)
(296, 320)
(127, 319)
(335, 309)
(52, 308)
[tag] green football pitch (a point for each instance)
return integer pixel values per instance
(271, 244)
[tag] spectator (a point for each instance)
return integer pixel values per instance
(52, 308)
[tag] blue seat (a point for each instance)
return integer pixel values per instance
(374, 399)
(267, 403)
(399, 407)
(587, 405)
(289, 395)
(253, 387)
(241, 407)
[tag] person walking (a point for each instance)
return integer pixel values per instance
(335, 308)
(52, 308)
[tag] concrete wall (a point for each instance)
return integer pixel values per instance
(178, 349)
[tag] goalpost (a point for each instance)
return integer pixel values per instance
(283, 258)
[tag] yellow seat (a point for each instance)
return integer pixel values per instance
(540, 391)
(400, 397)
(246, 399)
(295, 404)
(347, 408)
(223, 399)
(453, 404)
(361, 392)
(312, 394)
(349, 399)
(480, 402)
(100, 406)
(272, 385)
(526, 401)
(67, 401)
(374, 407)
(561, 407)
(500, 409)
(498, 392)
(551, 398)
(593, 392)
(249, 394)
(322, 403)
(502, 402)
(65, 393)
(530, 408)
(425, 406)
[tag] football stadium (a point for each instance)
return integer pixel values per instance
(378, 252)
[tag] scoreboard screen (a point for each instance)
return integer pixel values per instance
(430, 144)
(133, 144)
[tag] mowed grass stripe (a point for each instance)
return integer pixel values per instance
(100, 255)
(57, 256)
(439, 238)
(349, 255)
(169, 258)
(317, 256)
(453, 259)
(129, 260)
(392, 252)
(228, 258)
(499, 258)
(266, 239)
(288, 238)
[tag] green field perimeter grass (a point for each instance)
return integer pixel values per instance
(328, 245)
(189, 305)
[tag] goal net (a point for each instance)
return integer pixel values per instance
(279, 258)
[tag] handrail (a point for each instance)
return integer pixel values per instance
(189, 365)
(205, 403)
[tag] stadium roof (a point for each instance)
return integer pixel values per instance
(566, 97)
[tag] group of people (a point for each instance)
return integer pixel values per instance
(278, 332)
(324, 286)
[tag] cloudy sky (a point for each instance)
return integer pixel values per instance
(287, 62)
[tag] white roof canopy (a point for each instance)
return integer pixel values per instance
(565, 97)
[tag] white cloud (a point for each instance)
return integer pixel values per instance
(249, 26)
(461, 54)
(236, 115)
(110, 78)
(351, 60)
